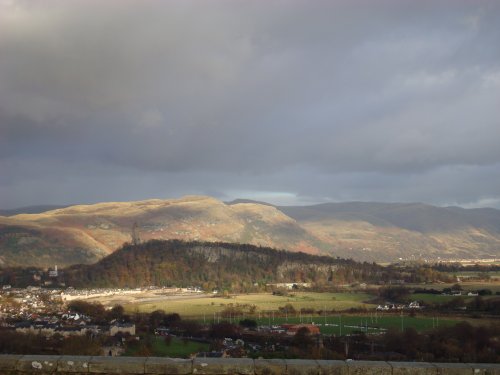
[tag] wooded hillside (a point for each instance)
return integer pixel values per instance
(214, 265)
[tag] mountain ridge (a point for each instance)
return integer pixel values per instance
(30, 209)
(370, 231)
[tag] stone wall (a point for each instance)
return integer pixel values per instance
(36, 364)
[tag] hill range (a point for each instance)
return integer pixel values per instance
(381, 232)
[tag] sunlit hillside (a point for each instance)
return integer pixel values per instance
(363, 231)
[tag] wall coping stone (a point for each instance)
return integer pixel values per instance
(9, 361)
(454, 369)
(485, 368)
(38, 363)
(413, 368)
(33, 364)
(73, 364)
(369, 367)
(332, 367)
(270, 366)
(302, 367)
(162, 365)
(223, 366)
(117, 365)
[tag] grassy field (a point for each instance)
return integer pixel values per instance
(177, 348)
(198, 307)
(208, 310)
(373, 323)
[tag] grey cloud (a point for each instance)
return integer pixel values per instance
(252, 96)
(55, 181)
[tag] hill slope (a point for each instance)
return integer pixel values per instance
(86, 233)
(213, 265)
(29, 210)
(365, 231)
(379, 231)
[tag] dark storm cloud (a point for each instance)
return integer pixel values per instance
(299, 101)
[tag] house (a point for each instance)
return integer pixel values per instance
(292, 329)
(122, 328)
(71, 331)
(291, 286)
(38, 328)
(162, 331)
(414, 305)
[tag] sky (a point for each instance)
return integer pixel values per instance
(289, 102)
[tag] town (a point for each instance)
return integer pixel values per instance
(71, 321)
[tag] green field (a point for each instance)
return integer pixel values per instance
(207, 307)
(372, 323)
(177, 348)
(208, 310)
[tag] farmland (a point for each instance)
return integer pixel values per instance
(259, 303)
(327, 310)
(369, 323)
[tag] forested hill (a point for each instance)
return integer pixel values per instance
(214, 265)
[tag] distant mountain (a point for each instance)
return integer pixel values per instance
(29, 210)
(238, 201)
(411, 216)
(86, 233)
(380, 232)
(402, 230)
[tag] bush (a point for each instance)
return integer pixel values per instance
(287, 309)
(394, 293)
(485, 292)
(248, 323)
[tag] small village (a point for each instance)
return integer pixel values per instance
(51, 317)
(50, 313)
(60, 313)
